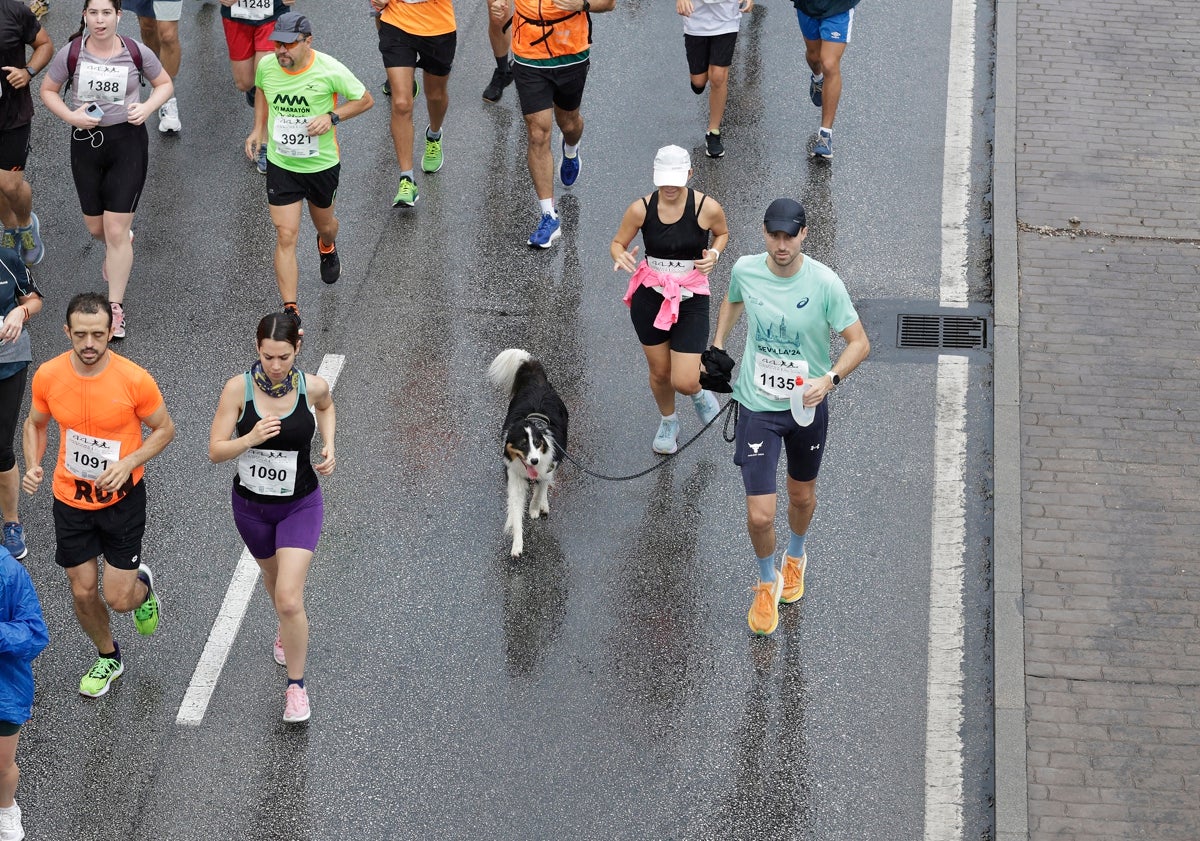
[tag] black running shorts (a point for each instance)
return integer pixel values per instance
(285, 187)
(705, 51)
(109, 165)
(432, 53)
(114, 532)
(687, 335)
(539, 88)
(14, 148)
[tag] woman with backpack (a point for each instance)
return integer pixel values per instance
(109, 143)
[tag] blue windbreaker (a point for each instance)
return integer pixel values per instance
(22, 637)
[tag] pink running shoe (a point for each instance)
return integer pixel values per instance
(118, 320)
(277, 650)
(295, 705)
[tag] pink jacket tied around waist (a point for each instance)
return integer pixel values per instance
(672, 290)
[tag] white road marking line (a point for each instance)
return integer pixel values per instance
(233, 608)
(944, 681)
(944, 678)
(956, 151)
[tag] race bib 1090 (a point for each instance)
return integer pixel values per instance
(268, 472)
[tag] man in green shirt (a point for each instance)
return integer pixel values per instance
(295, 111)
(792, 303)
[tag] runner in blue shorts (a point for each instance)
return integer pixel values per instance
(266, 420)
(792, 303)
(825, 25)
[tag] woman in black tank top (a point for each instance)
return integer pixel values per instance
(668, 294)
(266, 420)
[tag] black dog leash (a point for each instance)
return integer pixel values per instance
(724, 434)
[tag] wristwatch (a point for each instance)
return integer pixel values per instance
(31, 71)
(334, 119)
(834, 377)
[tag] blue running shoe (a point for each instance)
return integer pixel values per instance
(816, 90)
(30, 241)
(569, 171)
(824, 146)
(706, 405)
(666, 438)
(261, 163)
(14, 540)
(548, 230)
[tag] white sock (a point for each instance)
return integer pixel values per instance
(828, 131)
(547, 206)
(674, 416)
(820, 78)
(569, 150)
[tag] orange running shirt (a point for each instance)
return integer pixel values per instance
(420, 17)
(99, 420)
(543, 35)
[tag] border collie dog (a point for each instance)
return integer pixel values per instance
(535, 435)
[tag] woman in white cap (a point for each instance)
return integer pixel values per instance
(668, 294)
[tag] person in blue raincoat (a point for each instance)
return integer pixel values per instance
(22, 637)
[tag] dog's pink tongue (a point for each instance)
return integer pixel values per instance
(532, 473)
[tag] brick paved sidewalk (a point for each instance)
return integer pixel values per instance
(1107, 143)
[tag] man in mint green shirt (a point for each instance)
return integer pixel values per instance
(295, 111)
(792, 304)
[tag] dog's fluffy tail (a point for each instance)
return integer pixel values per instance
(503, 370)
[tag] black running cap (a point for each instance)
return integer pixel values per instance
(291, 27)
(785, 215)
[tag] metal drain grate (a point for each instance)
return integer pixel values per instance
(942, 331)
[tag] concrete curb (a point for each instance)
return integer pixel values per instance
(1012, 795)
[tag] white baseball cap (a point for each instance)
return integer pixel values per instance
(671, 167)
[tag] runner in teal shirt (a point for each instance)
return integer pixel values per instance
(792, 304)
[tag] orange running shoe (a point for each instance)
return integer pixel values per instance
(793, 578)
(764, 611)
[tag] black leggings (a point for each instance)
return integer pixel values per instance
(109, 165)
(12, 389)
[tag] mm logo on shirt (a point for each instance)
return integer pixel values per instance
(288, 99)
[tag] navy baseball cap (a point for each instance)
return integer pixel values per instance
(785, 215)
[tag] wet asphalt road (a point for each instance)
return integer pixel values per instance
(604, 685)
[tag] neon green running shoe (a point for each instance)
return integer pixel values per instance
(146, 614)
(8, 239)
(407, 195)
(433, 159)
(100, 677)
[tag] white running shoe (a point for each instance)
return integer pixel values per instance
(168, 117)
(10, 823)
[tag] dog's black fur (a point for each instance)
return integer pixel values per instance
(535, 435)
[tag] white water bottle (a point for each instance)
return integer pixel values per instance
(803, 414)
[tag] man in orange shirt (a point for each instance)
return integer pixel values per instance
(551, 45)
(100, 401)
(413, 35)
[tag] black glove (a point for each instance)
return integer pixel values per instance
(718, 370)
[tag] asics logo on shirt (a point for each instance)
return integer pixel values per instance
(802, 303)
